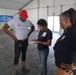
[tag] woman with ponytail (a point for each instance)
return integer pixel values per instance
(65, 47)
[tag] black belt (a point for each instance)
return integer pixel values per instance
(23, 40)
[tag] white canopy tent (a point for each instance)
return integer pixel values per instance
(13, 6)
(36, 8)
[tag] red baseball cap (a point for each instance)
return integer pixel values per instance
(23, 13)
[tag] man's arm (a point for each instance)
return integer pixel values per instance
(5, 29)
(32, 29)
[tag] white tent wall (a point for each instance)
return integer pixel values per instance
(7, 12)
(33, 16)
(63, 2)
(38, 9)
(56, 10)
(33, 4)
(43, 13)
(75, 4)
(65, 7)
(32, 10)
(35, 11)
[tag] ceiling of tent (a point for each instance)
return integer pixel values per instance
(14, 4)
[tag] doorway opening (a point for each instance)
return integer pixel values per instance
(53, 23)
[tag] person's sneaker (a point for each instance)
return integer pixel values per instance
(15, 72)
(25, 69)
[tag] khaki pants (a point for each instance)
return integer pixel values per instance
(62, 72)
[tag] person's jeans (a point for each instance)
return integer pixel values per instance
(20, 46)
(43, 54)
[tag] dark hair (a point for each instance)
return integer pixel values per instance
(42, 22)
(71, 15)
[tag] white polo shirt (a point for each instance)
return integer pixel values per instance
(20, 28)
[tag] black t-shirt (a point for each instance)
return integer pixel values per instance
(65, 47)
(43, 36)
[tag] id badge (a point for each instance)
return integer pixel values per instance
(44, 34)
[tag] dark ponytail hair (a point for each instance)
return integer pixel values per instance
(71, 15)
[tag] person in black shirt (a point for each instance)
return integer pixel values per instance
(65, 47)
(44, 41)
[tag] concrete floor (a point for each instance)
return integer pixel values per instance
(7, 55)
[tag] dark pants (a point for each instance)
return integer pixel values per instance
(20, 46)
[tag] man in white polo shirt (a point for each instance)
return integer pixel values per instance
(20, 26)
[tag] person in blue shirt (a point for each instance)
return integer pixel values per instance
(43, 42)
(65, 47)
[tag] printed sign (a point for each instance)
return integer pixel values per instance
(5, 18)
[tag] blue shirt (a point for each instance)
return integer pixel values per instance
(44, 36)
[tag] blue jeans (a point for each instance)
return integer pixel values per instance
(43, 54)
